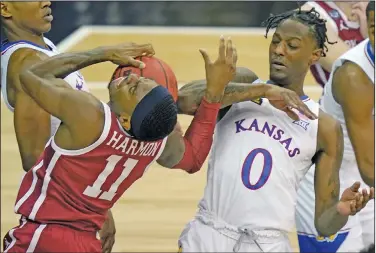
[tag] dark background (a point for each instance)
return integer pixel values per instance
(68, 16)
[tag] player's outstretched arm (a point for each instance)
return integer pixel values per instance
(189, 152)
(354, 91)
(191, 94)
(43, 82)
(331, 213)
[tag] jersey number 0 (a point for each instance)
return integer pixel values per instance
(266, 169)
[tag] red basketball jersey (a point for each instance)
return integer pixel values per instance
(348, 31)
(76, 188)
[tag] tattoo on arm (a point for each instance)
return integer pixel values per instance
(327, 184)
(190, 95)
(60, 66)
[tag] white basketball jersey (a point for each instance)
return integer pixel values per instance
(75, 79)
(258, 157)
(362, 56)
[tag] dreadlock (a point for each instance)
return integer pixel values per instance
(370, 7)
(309, 18)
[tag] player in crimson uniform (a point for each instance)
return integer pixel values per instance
(346, 24)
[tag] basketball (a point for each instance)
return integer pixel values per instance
(155, 69)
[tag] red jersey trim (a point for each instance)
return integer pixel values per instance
(106, 130)
(31, 189)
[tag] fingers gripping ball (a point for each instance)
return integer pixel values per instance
(155, 69)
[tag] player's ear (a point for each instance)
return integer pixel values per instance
(125, 121)
(315, 57)
(5, 10)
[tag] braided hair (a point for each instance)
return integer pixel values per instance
(309, 18)
(370, 7)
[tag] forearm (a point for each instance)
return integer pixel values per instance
(61, 65)
(330, 221)
(191, 94)
(199, 137)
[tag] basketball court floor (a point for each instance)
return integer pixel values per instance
(152, 213)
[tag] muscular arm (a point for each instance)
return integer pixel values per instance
(328, 161)
(32, 123)
(189, 152)
(42, 82)
(334, 50)
(191, 94)
(354, 91)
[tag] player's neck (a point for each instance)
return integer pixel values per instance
(16, 34)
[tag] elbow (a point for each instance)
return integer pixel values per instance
(323, 230)
(194, 169)
(190, 166)
(27, 164)
(29, 161)
(368, 175)
(189, 163)
(367, 171)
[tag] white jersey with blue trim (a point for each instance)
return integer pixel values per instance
(75, 79)
(258, 157)
(362, 56)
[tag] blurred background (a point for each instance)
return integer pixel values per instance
(188, 13)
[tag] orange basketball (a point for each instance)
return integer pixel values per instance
(155, 69)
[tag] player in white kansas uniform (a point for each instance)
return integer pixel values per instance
(24, 24)
(349, 97)
(260, 154)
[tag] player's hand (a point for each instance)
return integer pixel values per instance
(125, 53)
(359, 11)
(220, 72)
(352, 200)
(287, 100)
(107, 234)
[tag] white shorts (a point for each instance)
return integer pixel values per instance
(348, 239)
(208, 235)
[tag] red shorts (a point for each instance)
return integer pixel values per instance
(34, 237)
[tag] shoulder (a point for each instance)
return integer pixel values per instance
(349, 69)
(244, 75)
(24, 57)
(19, 60)
(350, 80)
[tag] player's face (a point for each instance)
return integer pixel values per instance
(371, 29)
(128, 91)
(291, 52)
(33, 16)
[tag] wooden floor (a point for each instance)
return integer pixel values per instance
(153, 212)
